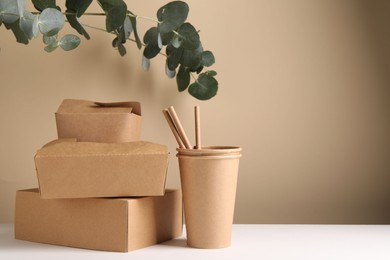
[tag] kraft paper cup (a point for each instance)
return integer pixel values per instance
(209, 190)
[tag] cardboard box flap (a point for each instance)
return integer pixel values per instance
(77, 106)
(136, 106)
(72, 148)
(90, 121)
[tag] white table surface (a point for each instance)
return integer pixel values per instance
(248, 242)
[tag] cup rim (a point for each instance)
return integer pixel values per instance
(208, 157)
(210, 150)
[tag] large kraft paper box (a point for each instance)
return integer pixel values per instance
(70, 169)
(99, 122)
(110, 224)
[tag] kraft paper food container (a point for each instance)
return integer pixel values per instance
(70, 169)
(109, 224)
(209, 189)
(90, 121)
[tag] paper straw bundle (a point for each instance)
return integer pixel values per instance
(178, 130)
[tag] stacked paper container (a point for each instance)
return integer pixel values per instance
(100, 187)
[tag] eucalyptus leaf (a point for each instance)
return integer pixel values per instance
(174, 56)
(40, 5)
(208, 58)
(145, 63)
(170, 73)
(121, 49)
(212, 73)
(51, 21)
(183, 78)
(192, 58)
(20, 36)
(35, 27)
(172, 15)
(21, 7)
(51, 47)
(189, 35)
(166, 38)
(115, 13)
(69, 42)
(49, 40)
(74, 22)
(127, 27)
(27, 24)
(150, 39)
(133, 21)
(176, 41)
(77, 6)
(9, 11)
(204, 88)
(159, 40)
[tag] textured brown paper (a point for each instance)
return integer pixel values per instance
(120, 224)
(72, 169)
(209, 189)
(99, 122)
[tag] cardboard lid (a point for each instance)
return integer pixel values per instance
(71, 148)
(78, 106)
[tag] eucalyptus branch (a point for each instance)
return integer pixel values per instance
(172, 36)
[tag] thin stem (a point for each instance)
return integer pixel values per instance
(130, 39)
(192, 75)
(72, 13)
(143, 17)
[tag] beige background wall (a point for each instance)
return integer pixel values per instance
(304, 89)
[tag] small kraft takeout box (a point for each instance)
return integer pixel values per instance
(70, 169)
(99, 122)
(110, 224)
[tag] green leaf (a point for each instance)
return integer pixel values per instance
(51, 47)
(51, 21)
(166, 38)
(189, 36)
(176, 41)
(121, 49)
(40, 5)
(192, 58)
(74, 22)
(150, 39)
(48, 40)
(212, 73)
(127, 27)
(118, 43)
(27, 24)
(115, 13)
(172, 15)
(145, 63)
(136, 36)
(183, 78)
(9, 11)
(77, 6)
(35, 26)
(170, 73)
(20, 36)
(208, 58)
(204, 88)
(173, 56)
(69, 42)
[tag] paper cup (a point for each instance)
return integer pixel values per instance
(209, 190)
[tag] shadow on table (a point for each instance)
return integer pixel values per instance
(178, 242)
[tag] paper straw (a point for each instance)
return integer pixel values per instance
(173, 128)
(197, 127)
(179, 127)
